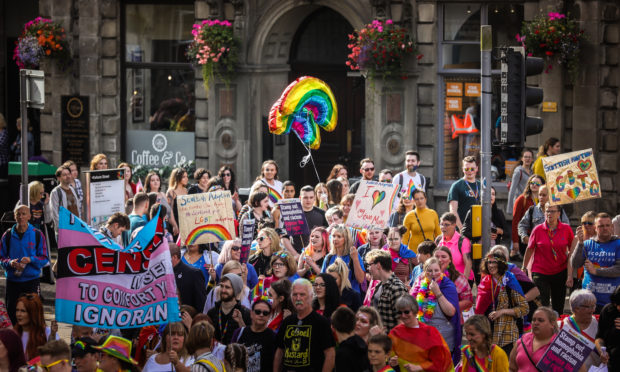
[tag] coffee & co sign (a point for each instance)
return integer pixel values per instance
(159, 149)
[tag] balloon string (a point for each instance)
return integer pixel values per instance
(304, 161)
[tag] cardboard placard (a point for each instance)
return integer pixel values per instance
(293, 217)
(571, 177)
(568, 351)
(206, 218)
(372, 205)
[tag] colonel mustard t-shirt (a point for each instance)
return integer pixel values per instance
(304, 341)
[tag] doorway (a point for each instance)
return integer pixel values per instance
(319, 49)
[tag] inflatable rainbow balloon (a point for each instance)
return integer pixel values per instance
(216, 230)
(305, 105)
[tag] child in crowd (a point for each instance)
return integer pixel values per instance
(425, 251)
(379, 347)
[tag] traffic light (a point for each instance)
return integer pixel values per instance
(516, 96)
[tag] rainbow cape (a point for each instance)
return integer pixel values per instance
(416, 345)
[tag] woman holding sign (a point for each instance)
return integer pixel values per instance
(530, 348)
(550, 148)
(582, 304)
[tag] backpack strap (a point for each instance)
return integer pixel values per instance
(460, 244)
(6, 240)
(209, 364)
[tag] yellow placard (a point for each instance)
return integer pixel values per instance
(571, 177)
(454, 89)
(454, 104)
(472, 89)
(550, 106)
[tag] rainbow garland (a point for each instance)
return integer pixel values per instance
(427, 301)
(476, 363)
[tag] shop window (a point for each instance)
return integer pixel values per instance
(459, 74)
(159, 80)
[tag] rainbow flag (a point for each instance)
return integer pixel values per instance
(139, 186)
(274, 196)
(258, 291)
(410, 189)
(359, 236)
(416, 345)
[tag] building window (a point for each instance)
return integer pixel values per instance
(459, 77)
(159, 80)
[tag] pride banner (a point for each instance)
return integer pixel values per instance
(100, 284)
(571, 177)
(206, 218)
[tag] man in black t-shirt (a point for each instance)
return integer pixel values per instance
(258, 339)
(304, 341)
(314, 216)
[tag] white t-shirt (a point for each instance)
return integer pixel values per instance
(26, 336)
(416, 181)
(277, 187)
(151, 364)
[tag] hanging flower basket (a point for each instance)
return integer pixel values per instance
(215, 48)
(555, 37)
(379, 49)
(42, 38)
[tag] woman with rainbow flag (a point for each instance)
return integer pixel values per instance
(415, 345)
(481, 355)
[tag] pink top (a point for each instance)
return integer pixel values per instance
(457, 257)
(550, 248)
(523, 362)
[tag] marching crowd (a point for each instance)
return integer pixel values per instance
(408, 296)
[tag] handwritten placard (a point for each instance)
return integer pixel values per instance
(206, 218)
(247, 235)
(293, 217)
(372, 205)
(567, 352)
(571, 177)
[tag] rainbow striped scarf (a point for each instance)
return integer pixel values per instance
(479, 365)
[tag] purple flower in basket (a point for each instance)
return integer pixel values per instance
(28, 52)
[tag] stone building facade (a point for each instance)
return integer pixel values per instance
(282, 39)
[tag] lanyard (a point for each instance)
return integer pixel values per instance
(551, 233)
(576, 326)
(475, 194)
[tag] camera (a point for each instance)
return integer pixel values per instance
(493, 230)
(281, 231)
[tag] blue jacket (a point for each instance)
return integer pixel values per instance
(24, 247)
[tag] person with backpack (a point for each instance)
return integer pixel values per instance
(535, 215)
(23, 254)
(64, 195)
(410, 179)
(459, 245)
(501, 298)
(528, 198)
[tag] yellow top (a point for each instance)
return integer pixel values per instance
(430, 225)
(498, 356)
(538, 167)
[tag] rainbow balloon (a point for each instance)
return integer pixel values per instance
(216, 230)
(305, 105)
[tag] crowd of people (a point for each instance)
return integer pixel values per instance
(408, 296)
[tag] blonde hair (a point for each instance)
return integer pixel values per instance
(96, 159)
(342, 269)
(342, 229)
(430, 262)
(35, 188)
(273, 236)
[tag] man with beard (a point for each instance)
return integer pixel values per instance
(228, 314)
(257, 338)
(409, 179)
(304, 341)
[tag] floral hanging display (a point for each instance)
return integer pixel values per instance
(379, 49)
(42, 38)
(215, 48)
(556, 38)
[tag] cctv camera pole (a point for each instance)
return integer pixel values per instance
(486, 46)
(23, 103)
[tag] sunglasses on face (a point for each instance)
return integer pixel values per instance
(587, 223)
(368, 169)
(261, 238)
(235, 248)
(469, 169)
(405, 312)
(535, 183)
(262, 312)
(226, 174)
